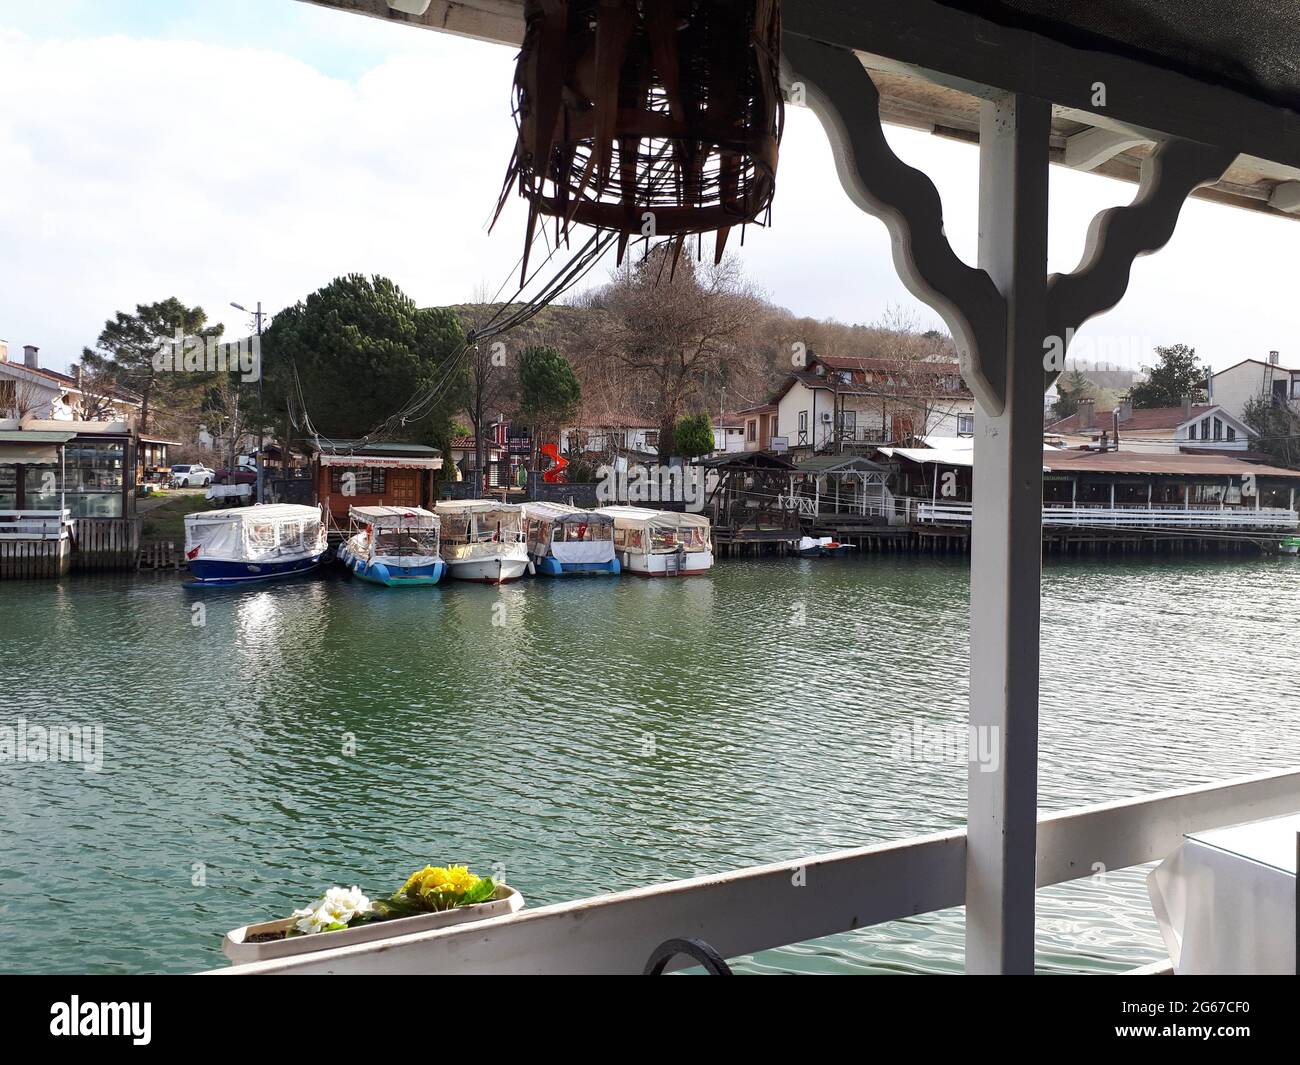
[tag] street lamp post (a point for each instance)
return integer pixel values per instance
(261, 415)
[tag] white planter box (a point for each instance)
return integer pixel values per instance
(235, 946)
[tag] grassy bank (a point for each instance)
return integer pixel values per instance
(166, 521)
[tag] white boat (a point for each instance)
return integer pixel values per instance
(263, 542)
(393, 546)
(661, 543)
(483, 540)
(564, 540)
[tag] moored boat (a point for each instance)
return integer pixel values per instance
(660, 543)
(564, 539)
(483, 540)
(267, 541)
(393, 546)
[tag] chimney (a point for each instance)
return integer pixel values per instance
(1272, 358)
(1085, 413)
(4, 351)
(31, 357)
(1125, 410)
(1187, 407)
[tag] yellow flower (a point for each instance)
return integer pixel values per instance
(439, 887)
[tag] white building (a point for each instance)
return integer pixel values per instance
(844, 401)
(27, 390)
(1249, 379)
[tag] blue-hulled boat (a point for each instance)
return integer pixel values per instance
(393, 546)
(565, 540)
(243, 545)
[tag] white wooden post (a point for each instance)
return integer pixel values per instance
(1006, 545)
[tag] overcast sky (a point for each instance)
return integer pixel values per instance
(219, 150)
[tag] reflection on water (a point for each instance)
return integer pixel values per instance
(589, 735)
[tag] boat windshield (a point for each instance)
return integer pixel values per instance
(398, 542)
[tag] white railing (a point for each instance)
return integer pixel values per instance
(35, 524)
(795, 901)
(1270, 518)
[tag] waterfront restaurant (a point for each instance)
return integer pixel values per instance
(1171, 490)
(385, 474)
(86, 468)
(1204, 104)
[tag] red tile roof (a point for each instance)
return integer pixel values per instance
(1139, 419)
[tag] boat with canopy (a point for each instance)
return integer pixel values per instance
(661, 543)
(564, 539)
(267, 541)
(393, 546)
(483, 540)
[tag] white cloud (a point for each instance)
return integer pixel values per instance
(132, 169)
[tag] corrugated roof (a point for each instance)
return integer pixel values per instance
(1137, 462)
(835, 463)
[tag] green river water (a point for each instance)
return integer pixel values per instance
(590, 735)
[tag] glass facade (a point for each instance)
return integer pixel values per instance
(90, 481)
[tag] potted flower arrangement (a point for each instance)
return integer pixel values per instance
(432, 897)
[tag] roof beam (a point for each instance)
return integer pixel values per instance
(978, 56)
(1092, 147)
(499, 21)
(1286, 197)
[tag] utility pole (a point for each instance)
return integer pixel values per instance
(259, 495)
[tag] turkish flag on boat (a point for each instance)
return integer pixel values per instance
(191, 555)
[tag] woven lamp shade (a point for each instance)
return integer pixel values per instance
(658, 118)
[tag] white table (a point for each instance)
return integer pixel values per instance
(1226, 899)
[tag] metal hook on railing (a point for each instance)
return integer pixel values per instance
(714, 963)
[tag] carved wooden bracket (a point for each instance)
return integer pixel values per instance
(838, 89)
(1118, 236)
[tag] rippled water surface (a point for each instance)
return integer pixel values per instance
(589, 735)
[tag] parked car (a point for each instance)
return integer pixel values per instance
(239, 475)
(191, 476)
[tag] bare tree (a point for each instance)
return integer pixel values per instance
(491, 384)
(672, 327)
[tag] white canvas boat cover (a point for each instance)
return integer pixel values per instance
(475, 506)
(266, 532)
(395, 517)
(642, 518)
(564, 513)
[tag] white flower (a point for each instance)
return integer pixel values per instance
(337, 906)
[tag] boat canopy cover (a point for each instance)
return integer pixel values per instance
(395, 517)
(264, 532)
(642, 518)
(475, 506)
(564, 514)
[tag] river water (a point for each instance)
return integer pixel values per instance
(590, 735)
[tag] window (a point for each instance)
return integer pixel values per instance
(364, 481)
(751, 429)
(1191, 431)
(848, 423)
(1218, 429)
(1295, 390)
(8, 397)
(1205, 428)
(1232, 434)
(965, 424)
(652, 438)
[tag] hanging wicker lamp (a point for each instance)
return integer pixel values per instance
(654, 118)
